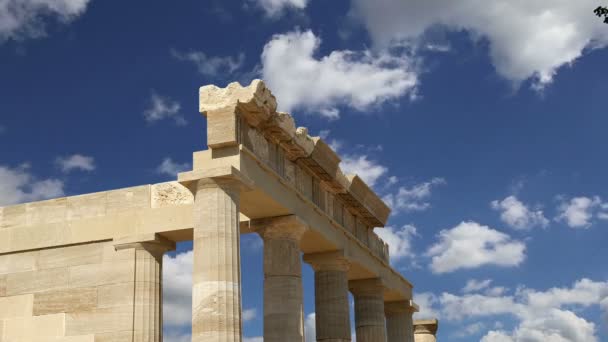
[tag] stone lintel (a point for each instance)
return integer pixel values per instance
(328, 261)
(225, 175)
(400, 306)
(426, 326)
(279, 227)
(370, 286)
(144, 241)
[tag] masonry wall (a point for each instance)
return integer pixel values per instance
(79, 293)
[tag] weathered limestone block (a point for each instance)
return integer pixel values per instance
(104, 320)
(425, 330)
(13, 216)
(36, 281)
(18, 262)
(70, 256)
(86, 206)
(304, 182)
(122, 200)
(65, 300)
(2, 285)
(114, 295)
(32, 328)
(399, 322)
(331, 296)
(369, 309)
(119, 271)
(283, 303)
(16, 306)
(169, 194)
(45, 212)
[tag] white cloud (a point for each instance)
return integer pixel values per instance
(211, 65)
(161, 107)
(526, 39)
(274, 8)
(21, 19)
(170, 168)
(253, 339)
(517, 215)
(76, 162)
(427, 303)
(579, 211)
(362, 166)
(19, 185)
(474, 285)
(177, 290)
(399, 240)
(249, 315)
(310, 328)
(413, 198)
(357, 80)
(542, 315)
(470, 329)
(471, 245)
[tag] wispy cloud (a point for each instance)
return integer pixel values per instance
(75, 162)
(213, 66)
(161, 107)
(517, 215)
(19, 185)
(170, 168)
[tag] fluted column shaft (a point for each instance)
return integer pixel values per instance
(399, 322)
(216, 283)
(283, 303)
(369, 310)
(331, 296)
(147, 304)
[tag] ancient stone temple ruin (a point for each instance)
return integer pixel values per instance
(88, 268)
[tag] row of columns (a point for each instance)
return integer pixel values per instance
(216, 305)
(216, 283)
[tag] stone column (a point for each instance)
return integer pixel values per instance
(283, 306)
(369, 309)
(425, 330)
(216, 274)
(331, 296)
(399, 322)
(147, 306)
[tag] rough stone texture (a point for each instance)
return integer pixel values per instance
(216, 288)
(369, 309)
(425, 330)
(331, 296)
(399, 323)
(283, 305)
(169, 194)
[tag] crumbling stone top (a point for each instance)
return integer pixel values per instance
(257, 106)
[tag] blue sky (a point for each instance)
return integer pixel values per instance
(484, 127)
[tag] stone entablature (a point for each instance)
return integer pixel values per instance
(247, 116)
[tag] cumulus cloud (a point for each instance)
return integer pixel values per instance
(580, 211)
(19, 185)
(370, 171)
(310, 328)
(161, 107)
(75, 162)
(542, 315)
(249, 315)
(427, 304)
(517, 215)
(170, 168)
(177, 290)
(474, 285)
(21, 19)
(342, 78)
(211, 65)
(527, 40)
(471, 245)
(253, 339)
(414, 198)
(399, 240)
(274, 8)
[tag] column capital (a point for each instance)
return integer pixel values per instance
(328, 261)
(400, 306)
(224, 176)
(151, 242)
(426, 326)
(288, 227)
(370, 286)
